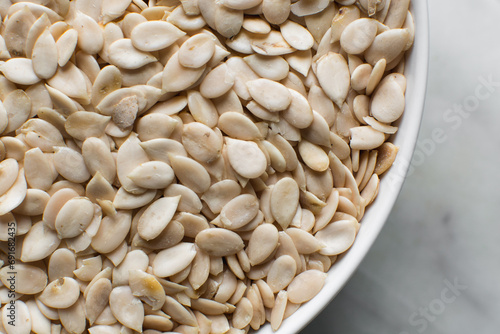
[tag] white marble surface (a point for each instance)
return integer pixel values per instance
(444, 227)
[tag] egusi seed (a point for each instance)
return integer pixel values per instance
(188, 166)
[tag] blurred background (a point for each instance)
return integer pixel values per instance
(434, 268)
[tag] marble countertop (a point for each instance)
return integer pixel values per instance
(434, 268)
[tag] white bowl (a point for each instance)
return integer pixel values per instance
(390, 184)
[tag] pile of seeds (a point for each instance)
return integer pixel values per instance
(189, 166)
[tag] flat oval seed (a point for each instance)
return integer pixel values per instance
(246, 158)
(130, 155)
(278, 313)
(39, 243)
(56, 202)
(191, 173)
(262, 243)
(196, 51)
(152, 175)
(337, 236)
(318, 132)
(219, 242)
(202, 109)
(284, 201)
(17, 106)
(61, 264)
(269, 67)
(220, 193)
(387, 45)
(22, 322)
(66, 45)
(72, 82)
(276, 11)
(228, 21)
(44, 56)
(82, 124)
(127, 308)
(108, 80)
(147, 287)
(217, 82)
(201, 142)
(173, 260)
(242, 314)
(74, 217)
(270, 94)
(361, 77)
(176, 77)
(239, 126)
(123, 54)
(305, 7)
(15, 195)
(29, 279)
(256, 25)
(155, 35)
(134, 260)
(333, 75)
(313, 156)
(272, 44)
(19, 71)
(90, 34)
(388, 101)
(313, 279)
(358, 35)
(9, 170)
(61, 293)
(366, 138)
(239, 211)
(112, 231)
(299, 112)
(157, 216)
(34, 203)
(128, 201)
(70, 164)
(98, 158)
(39, 322)
(304, 241)
(281, 273)
(296, 35)
(97, 298)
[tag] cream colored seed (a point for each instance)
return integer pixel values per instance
(219, 242)
(157, 216)
(246, 158)
(262, 243)
(127, 308)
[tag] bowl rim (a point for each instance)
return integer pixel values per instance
(390, 183)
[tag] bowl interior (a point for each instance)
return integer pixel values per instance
(390, 184)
